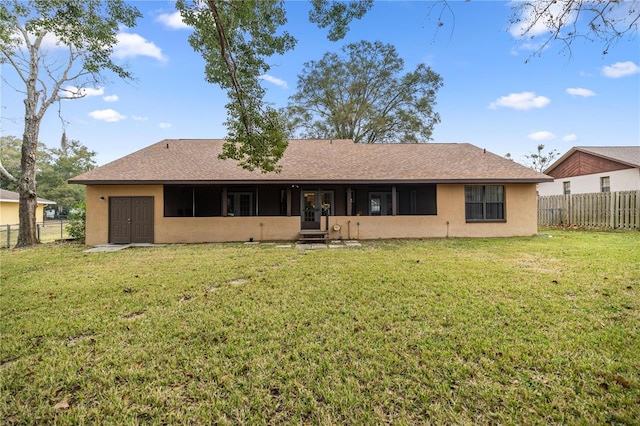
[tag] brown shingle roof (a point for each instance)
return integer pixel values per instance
(196, 160)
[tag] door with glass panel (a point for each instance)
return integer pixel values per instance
(315, 204)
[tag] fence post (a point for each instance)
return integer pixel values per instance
(37, 232)
(8, 236)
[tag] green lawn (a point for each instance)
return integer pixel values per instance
(446, 331)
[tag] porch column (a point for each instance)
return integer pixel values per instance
(288, 201)
(349, 201)
(394, 205)
(224, 201)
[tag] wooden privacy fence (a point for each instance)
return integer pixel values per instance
(615, 210)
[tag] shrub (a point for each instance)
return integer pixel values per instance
(77, 221)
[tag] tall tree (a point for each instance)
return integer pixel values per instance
(363, 95)
(540, 160)
(235, 38)
(86, 29)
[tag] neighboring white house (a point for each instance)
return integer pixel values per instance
(587, 169)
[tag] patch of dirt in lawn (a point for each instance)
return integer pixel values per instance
(134, 315)
(72, 341)
(238, 281)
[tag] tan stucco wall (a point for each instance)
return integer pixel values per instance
(520, 207)
(9, 213)
(98, 207)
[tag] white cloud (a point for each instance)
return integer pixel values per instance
(540, 26)
(579, 91)
(138, 118)
(274, 80)
(108, 115)
(529, 47)
(570, 138)
(521, 101)
(73, 92)
(165, 125)
(111, 98)
(50, 41)
(172, 20)
(132, 45)
(542, 136)
(620, 69)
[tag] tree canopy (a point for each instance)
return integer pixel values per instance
(362, 94)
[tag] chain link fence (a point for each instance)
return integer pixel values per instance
(48, 231)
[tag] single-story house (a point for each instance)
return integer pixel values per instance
(179, 191)
(10, 206)
(589, 169)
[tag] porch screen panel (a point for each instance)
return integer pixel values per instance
(178, 201)
(417, 200)
(205, 201)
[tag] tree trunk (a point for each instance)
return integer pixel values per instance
(27, 235)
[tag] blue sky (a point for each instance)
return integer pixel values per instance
(490, 98)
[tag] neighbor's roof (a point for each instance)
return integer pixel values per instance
(307, 161)
(629, 155)
(7, 196)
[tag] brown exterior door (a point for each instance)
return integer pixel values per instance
(315, 204)
(130, 220)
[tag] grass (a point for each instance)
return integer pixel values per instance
(446, 331)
